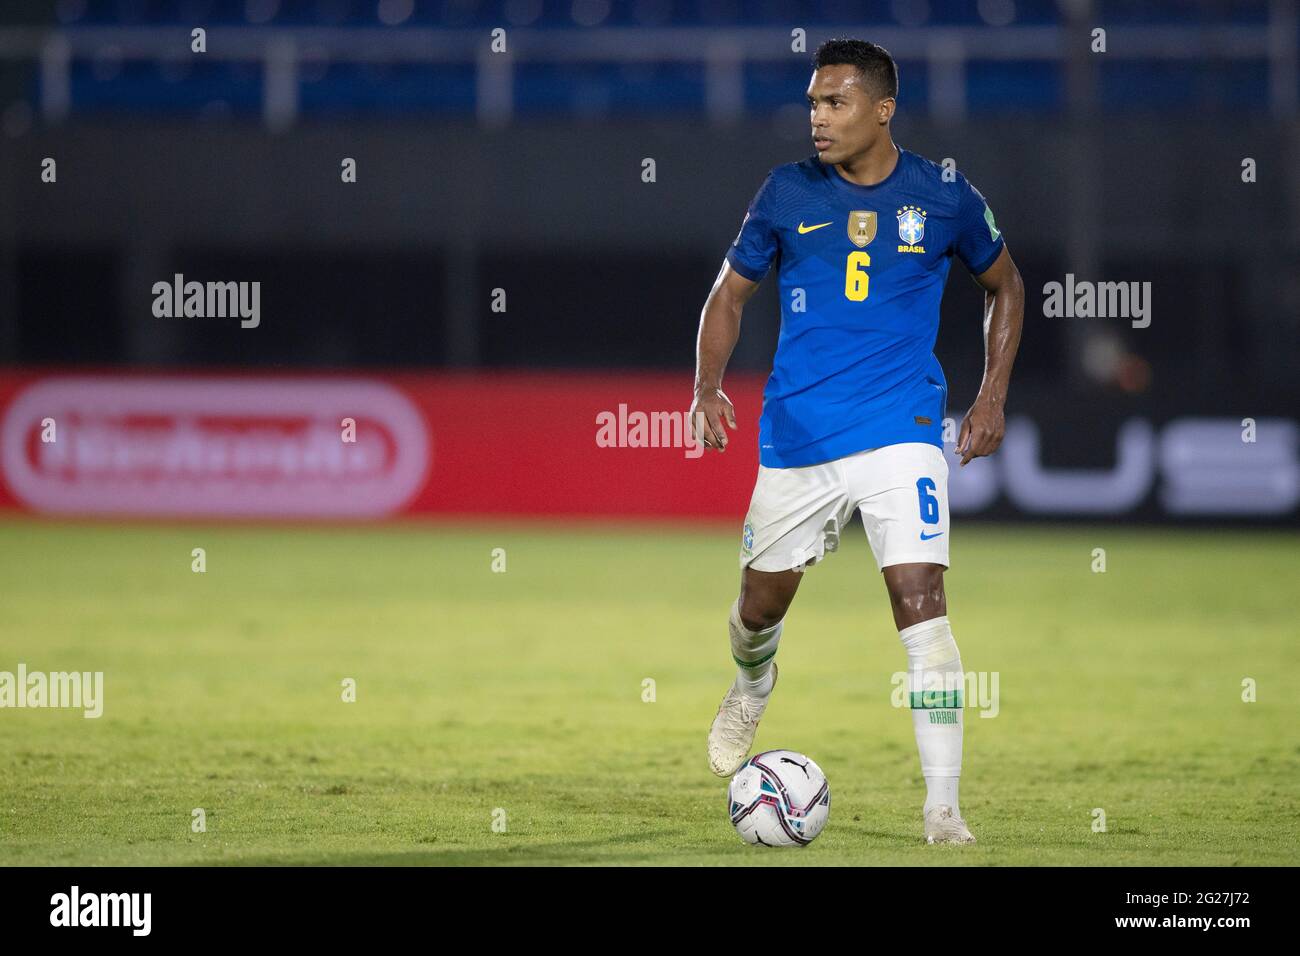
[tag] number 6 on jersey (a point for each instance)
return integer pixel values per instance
(855, 279)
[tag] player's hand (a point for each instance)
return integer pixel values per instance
(709, 411)
(981, 430)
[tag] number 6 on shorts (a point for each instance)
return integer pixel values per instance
(929, 503)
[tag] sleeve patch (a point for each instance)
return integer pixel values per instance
(988, 218)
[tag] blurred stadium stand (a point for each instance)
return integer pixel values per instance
(593, 58)
(481, 170)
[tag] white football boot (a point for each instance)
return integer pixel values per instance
(732, 733)
(943, 826)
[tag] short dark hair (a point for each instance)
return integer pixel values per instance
(873, 61)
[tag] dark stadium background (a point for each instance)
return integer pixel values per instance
(479, 171)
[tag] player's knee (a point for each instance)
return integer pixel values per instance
(758, 613)
(919, 601)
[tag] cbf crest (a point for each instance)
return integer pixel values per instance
(911, 225)
(862, 226)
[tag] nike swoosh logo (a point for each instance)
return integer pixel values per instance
(803, 228)
(927, 537)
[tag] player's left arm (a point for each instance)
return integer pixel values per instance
(1004, 313)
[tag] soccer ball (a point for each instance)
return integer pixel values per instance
(779, 798)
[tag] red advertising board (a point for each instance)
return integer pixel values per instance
(368, 446)
(548, 444)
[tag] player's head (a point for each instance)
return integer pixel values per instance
(851, 97)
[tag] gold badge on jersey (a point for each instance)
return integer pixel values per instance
(862, 226)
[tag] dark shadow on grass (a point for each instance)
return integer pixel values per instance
(531, 854)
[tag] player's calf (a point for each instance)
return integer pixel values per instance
(765, 597)
(916, 593)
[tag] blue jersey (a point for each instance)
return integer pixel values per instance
(861, 273)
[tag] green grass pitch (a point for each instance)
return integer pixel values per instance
(480, 692)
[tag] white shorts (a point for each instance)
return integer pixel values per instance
(796, 514)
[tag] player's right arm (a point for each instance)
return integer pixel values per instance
(719, 331)
(750, 256)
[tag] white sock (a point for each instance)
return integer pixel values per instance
(941, 790)
(753, 652)
(936, 685)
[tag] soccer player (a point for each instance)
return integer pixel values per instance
(864, 233)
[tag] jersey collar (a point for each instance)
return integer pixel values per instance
(857, 188)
